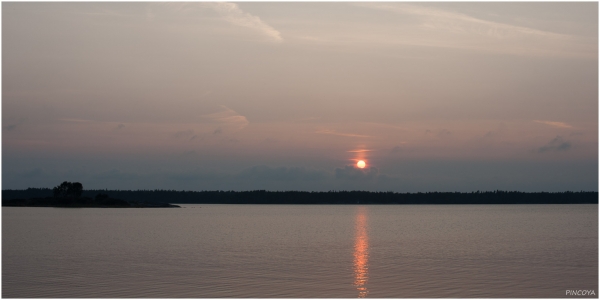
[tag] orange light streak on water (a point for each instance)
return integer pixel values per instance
(361, 253)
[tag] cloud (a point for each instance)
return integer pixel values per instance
(457, 22)
(554, 124)
(14, 125)
(396, 149)
(576, 133)
(360, 150)
(442, 28)
(443, 133)
(353, 173)
(281, 174)
(228, 12)
(228, 117)
(333, 132)
(440, 133)
(447, 20)
(557, 144)
(232, 13)
(184, 133)
(198, 175)
(490, 134)
(115, 174)
(76, 120)
(254, 175)
(493, 134)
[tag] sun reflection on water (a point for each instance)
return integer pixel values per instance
(361, 253)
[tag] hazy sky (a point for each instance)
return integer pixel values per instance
(289, 96)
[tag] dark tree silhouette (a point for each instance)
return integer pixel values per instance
(68, 189)
(60, 190)
(76, 189)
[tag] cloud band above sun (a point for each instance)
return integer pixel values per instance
(554, 124)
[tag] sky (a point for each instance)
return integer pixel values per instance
(290, 96)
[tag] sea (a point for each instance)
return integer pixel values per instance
(301, 251)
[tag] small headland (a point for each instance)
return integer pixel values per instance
(82, 202)
(69, 194)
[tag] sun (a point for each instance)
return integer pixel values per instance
(361, 164)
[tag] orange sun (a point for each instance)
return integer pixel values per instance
(361, 164)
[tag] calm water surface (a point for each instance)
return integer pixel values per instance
(300, 251)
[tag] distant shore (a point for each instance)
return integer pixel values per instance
(81, 203)
(151, 198)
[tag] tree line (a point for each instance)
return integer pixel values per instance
(331, 197)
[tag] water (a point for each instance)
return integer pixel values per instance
(300, 251)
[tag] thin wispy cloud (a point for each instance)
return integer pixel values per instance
(554, 124)
(360, 150)
(184, 133)
(333, 132)
(232, 13)
(396, 149)
(76, 120)
(228, 117)
(441, 28)
(457, 22)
